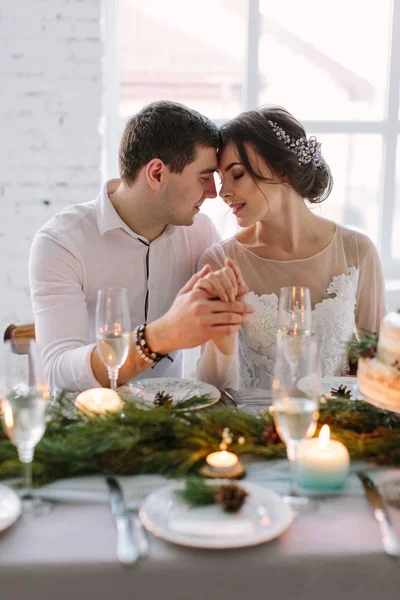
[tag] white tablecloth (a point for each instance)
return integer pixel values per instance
(332, 553)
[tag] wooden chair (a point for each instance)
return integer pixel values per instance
(17, 334)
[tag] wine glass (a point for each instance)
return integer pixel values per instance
(295, 403)
(113, 330)
(294, 322)
(24, 398)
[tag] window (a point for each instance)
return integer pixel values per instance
(335, 65)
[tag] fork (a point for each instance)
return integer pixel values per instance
(391, 491)
(135, 501)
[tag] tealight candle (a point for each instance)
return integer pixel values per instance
(322, 463)
(99, 401)
(222, 459)
(222, 464)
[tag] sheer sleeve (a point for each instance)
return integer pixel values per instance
(214, 256)
(370, 308)
(213, 366)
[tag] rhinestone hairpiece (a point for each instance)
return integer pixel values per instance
(306, 150)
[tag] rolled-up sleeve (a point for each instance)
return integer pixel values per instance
(60, 313)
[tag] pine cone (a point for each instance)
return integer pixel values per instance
(231, 497)
(342, 392)
(270, 434)
(163, 399)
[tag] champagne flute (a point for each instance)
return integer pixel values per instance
(25, 399)
(294, 322)
(113, 330)
(295, 403)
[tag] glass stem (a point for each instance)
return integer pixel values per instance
(26, 457)
(113, 377)
(291, 450)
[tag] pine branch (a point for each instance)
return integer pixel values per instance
(175, 443)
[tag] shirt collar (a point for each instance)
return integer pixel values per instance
(108, 218)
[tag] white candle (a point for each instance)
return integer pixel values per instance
(322, 463)
(99, 401)
(222, 460)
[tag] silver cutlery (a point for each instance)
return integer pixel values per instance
(390, 542)
(231, 395)
(127, 549)
(391, 492)
(135, 501)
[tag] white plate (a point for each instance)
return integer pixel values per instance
(263, 517)
(10, 507)
(334, 382)
(179, 389)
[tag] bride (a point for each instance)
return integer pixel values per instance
(268, 169)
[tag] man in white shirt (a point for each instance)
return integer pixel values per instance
(143, 233)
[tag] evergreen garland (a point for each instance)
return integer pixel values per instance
(175, 443)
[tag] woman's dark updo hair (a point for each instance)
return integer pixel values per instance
(252, 127)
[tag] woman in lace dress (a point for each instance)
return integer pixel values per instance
(268, 170)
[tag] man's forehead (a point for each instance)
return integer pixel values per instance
(206, 160)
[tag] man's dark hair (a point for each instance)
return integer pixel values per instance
(165, 130)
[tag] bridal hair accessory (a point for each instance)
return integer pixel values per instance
(306, 150)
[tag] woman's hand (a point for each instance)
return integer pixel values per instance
(226, 284)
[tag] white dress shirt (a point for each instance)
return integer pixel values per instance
(87, 247)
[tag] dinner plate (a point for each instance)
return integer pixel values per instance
(10, 507)
(329, 383)
(181, 390)
(263, 517)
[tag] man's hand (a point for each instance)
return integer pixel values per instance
(193, 319)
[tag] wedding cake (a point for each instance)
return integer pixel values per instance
(379, 378)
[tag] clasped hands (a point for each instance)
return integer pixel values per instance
(209, 307)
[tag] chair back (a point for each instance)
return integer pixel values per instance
(18, 334)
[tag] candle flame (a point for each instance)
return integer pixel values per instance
(324, 436)
(44, 392)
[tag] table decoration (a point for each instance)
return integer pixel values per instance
(173, 443)
(224, 464)
(197, 492)
(322, 463)
(99, 401)
(262, 517)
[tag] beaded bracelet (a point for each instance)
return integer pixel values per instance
(144, 349)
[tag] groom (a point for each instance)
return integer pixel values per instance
(143, 232)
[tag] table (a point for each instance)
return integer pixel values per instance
(332, 553)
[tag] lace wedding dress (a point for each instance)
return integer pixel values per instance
(347, 293)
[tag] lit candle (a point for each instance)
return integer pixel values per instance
(99, 401)
(322, 463)
(222, 460)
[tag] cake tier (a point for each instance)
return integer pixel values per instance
(378, 381)
(389, 340)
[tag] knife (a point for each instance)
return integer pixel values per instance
(127, 551)
(390, 542)
(231, 395)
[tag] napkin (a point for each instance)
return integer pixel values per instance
(210, 522)
(93, 488)
(247, 399)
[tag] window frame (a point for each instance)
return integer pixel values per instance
(388, 128)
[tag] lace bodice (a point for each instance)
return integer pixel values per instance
(347, 293)
(333, 322)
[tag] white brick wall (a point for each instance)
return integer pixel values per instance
(50, 107)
